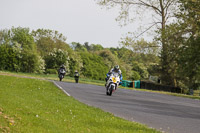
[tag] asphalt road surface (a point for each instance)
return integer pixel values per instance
(166, 113)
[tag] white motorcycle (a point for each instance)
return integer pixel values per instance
(112, 83)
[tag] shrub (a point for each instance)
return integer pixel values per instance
(51, 71)
(56, 58)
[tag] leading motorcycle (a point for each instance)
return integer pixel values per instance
(112, 83)
(61, 74)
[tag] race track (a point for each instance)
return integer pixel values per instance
(163, 112)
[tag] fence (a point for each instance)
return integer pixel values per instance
(150, 86)
(155, 86)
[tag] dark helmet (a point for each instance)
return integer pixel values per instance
(116, 67)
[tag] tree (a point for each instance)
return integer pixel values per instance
(86, 45)
(96, 47)
(140, 69)
(135, 75)
(161, 11)
(189, 63)
(123, 53)
(78, 47)
(47, 40)
(8, 59)
(29, 59)
(23, 37)
(93, 66)
(189, 55)
(109, 59)
(56, 58)
(19, 50)
(141, 46)
(75, 63)
(182, 38)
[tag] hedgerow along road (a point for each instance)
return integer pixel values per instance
(163, 112)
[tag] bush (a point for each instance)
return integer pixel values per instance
(56, 58)
(51, 71)
(93, 66)
(135, 75)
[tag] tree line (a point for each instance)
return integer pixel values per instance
(44, 50)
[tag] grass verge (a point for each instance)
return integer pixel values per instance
(34, 105)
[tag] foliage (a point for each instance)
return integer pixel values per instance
(78, 47)
(182, 51)
(140, 62)
(18, 50)
(23, 37)
(29, 61)
(93, 66)
(75, 63)
(96, 47)
(109, 59)
(189, 63)
(56, 58)
(140, 69)
(141, 46)
(51, 71)
(8, 59)
(47, 40)
(40, 67)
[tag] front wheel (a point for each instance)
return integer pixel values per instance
(61, 77)
(110, 90)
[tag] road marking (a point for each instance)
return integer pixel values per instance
(61, 88)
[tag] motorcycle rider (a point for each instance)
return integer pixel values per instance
(76, 76)
(61, 67)
(116, 70)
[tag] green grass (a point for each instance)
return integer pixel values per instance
(53, 77)
(33, 105)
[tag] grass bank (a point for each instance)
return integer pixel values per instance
(35, 105)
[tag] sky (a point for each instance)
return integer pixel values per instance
(79, 20)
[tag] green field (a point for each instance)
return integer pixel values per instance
(34, 105)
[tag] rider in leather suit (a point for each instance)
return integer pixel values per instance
(115, 69)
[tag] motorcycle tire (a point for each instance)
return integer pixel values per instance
(107, 91)
(61, 77)
(111, 90)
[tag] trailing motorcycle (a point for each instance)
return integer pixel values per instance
(61, 74)
(112, 83)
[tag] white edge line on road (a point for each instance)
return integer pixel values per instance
(61, 88)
